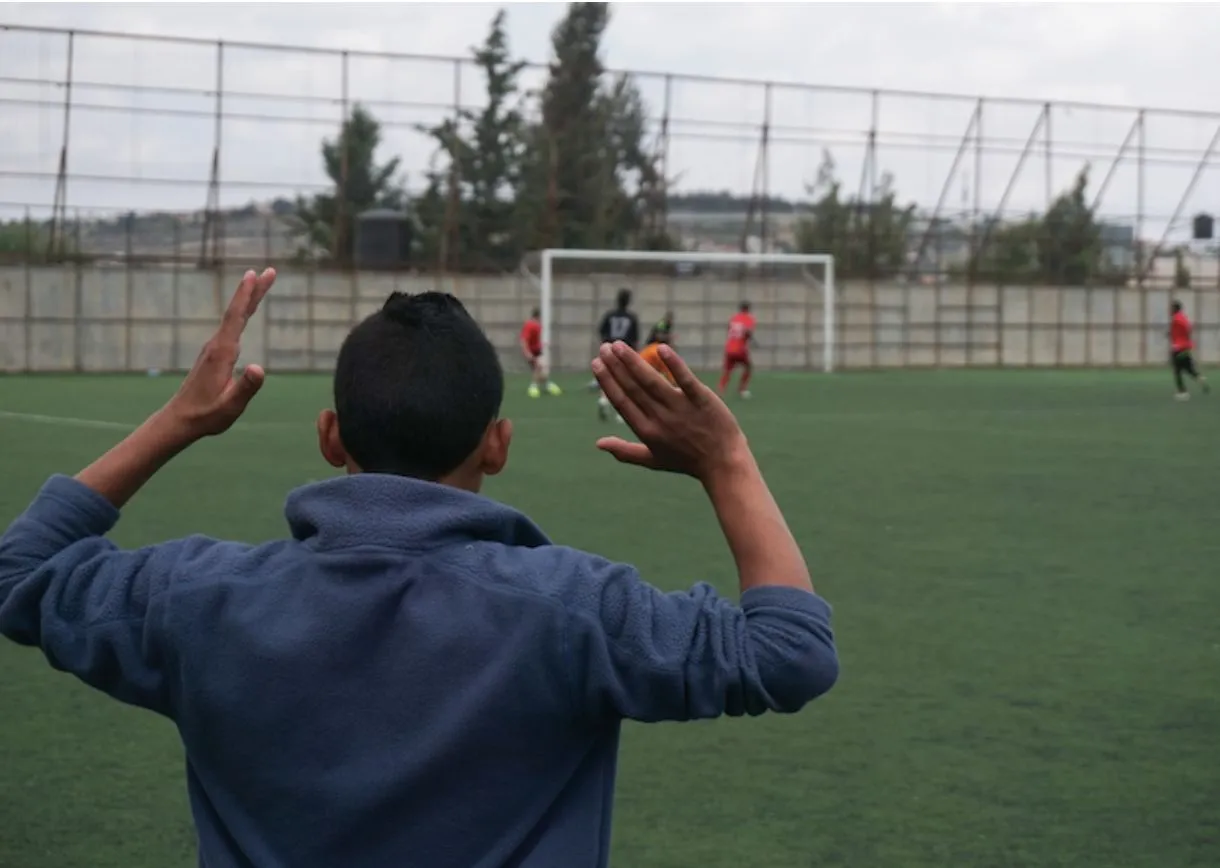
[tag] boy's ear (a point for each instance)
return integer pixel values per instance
(495, 447)
(329, 443)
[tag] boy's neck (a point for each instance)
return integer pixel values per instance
(466, 479)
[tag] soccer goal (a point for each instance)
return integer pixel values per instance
(791, 296)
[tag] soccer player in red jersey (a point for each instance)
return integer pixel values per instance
(531, 348)
(1182, 349)
(737, 350)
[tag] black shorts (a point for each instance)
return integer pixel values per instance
(1184, 360)
(1183, 363)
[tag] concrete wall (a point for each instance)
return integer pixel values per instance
(101, 319)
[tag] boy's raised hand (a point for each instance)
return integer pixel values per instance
(211, 398)
(683, 429)
(208, 402)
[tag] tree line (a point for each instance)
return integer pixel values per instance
(876, 236)
(583, 171)
(580, 172)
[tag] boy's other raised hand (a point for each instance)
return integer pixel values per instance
(683, 429)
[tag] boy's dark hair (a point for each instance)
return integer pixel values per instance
(745, 307)
(1176, 307)
(416, 386)
(624, 299)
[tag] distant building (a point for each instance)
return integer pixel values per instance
(1117, 245)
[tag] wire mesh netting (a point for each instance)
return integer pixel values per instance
(164, 155)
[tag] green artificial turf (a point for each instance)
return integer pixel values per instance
(1024, 567)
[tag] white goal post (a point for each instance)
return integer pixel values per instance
(678, 258)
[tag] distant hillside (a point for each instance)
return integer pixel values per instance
(267, 229)
(724, 202)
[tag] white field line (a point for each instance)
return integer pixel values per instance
(65, 421)
(105, 425)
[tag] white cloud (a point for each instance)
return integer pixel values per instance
(1137, 54)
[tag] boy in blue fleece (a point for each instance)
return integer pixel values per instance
(417, 676)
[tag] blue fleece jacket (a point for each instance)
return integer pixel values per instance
(416, 677)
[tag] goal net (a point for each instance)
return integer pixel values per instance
(791, 296)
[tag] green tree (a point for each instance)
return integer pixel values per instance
(327, 220)
(428, 210)
(571, 143)
(21, 240)
(867, 238)
(632, 190)
(476, 191)
(1069, 243)
(590, 180)
(1008, 252)
(1060, 248)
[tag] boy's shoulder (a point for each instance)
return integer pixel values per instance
(554, 574)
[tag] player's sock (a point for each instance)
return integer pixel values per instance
(534, 391)
(724, 381)
(552, 389)
(744, 386)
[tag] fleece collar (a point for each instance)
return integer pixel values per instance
(369, 509)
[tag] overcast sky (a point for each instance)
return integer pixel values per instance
(1152, 55)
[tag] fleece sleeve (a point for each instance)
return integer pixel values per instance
(650, 656)
(95, 611)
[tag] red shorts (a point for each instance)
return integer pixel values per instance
(732, 360)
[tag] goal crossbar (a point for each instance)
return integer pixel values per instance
(825, 260)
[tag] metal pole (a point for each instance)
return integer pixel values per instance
(127, 292)
(1122, 149)
(664, 156)
(1139, 232)
(78, 298)
(339, 239)
(871, 162)
(758, 183)
(944, 190)
(764, 216)
(176, 303)
(449, 231)
(211, 219)
(1190, 188)
(1050, 198)
(59, 206)
(829, 317)
(311, 316)
(975, 210)
(544, 303)
(808, 331)
(1012, 182)
(1139, 203)
(27, 324)
(218, 229)
(1046, 143)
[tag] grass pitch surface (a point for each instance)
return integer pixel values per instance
(1025, 570)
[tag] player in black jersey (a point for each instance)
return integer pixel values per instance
(619, 324)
